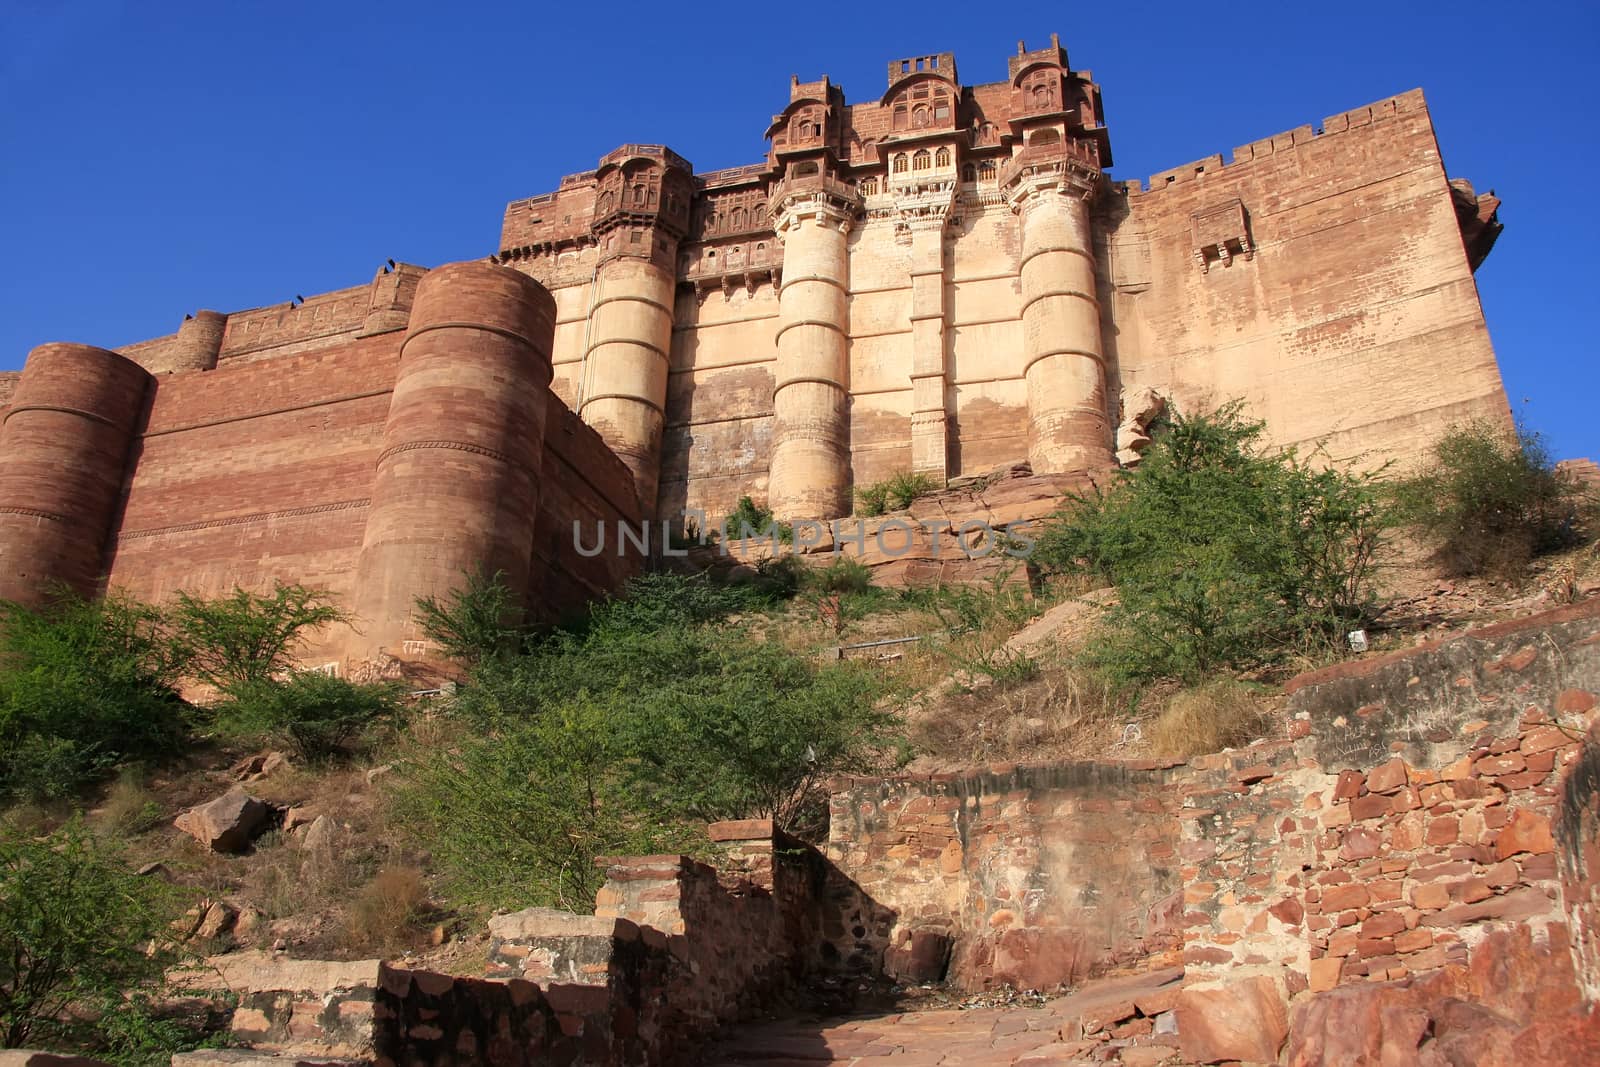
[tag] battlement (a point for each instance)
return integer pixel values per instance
(1054, 55)
(295, 325)
(941, 63)
(1405, 103)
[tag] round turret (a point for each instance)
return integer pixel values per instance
(63, 455)
(199, 342)
(457, 482)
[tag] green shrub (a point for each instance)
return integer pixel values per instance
(750, 520)
(625, 734)
(312, 714)
(903, 488)
(896, 493)
(75, 925)
(479, 618)
(843, 574)
(872, 500)
(1492, 500)
(246, 638)
(517, 816)
(1224, 555)
(84, 686)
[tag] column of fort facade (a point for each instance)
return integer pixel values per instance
(1068, 425)
(930, 449)
(624, 388)
(810, 472)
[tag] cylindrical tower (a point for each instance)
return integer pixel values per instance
(457, 482)
(63, 456)
(199, 341)
(624, 384)
(1068, 425)
(810, 473)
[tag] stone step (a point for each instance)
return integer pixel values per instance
(247, 1057)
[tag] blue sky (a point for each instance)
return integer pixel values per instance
(160, 157)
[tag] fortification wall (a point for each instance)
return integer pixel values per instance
(262, 469)
(1320, 276)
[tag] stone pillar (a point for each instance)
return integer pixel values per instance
(810, 473)
(624, 388)
(65, 445)
(199, 341)
(1068, 425)
(457, 482)
(929, 422)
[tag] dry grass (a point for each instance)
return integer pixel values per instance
(1217, 715)
(387, 911)
(1059, 713)
(129, 807)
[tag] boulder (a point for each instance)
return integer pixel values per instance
(261, 765)
(1245, 1020)
(216, 920)
(227, 824)
(320, 836)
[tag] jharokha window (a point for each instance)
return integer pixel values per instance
(900, 163)
(922, 160)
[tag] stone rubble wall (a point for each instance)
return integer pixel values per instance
(1028, 875)
(1405, 821)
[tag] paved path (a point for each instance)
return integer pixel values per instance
(1108, 1021)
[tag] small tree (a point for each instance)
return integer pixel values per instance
(241, 640)
(75, 927)
(477, 619)
(1492, 500)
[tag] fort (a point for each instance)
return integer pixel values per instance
(940, 279)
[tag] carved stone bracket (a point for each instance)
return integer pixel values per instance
(1065, 177)
(1221, 233)
(823, 207)
(925, 207)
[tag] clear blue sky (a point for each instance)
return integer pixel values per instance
(159, 157)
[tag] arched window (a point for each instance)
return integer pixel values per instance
(986, 169)
(738, 218)
(758, 212)
(922, 160)
(919, 117)
(900, 163)
(712, 219)
(805, 170)
(869, 187)
(638, 194)
(606, 200)
(942, 158)
(900, 117)
(969, 173)
(1041, 95)
(1043, 137)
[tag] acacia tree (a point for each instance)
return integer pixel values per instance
(240, 641)
(74, 928)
